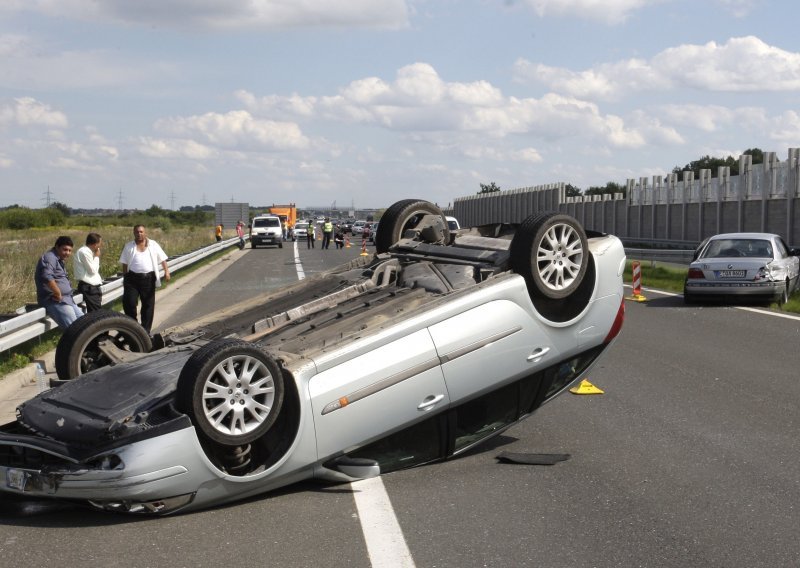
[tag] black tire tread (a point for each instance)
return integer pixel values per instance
(78, 328)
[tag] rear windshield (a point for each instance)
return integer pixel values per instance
(267, 222)
(301, 226)
(727, 248)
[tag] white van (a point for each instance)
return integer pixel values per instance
(452, 223)
(266, 230)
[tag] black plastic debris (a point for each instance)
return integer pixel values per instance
(531, 459)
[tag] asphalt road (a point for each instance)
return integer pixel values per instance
(688, 459)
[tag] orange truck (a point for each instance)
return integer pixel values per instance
(287, 213)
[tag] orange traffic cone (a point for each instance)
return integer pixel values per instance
(346, 241)
(363, 247)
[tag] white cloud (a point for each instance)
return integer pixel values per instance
(236, 130)
(420, 101)
(744, 64)
(608, 11)
(786, 129)
(708, 118)
(225, 14)
(170, 149)
(27, 111)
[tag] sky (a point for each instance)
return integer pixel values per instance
(360, 103)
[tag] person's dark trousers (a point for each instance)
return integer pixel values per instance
(140, 287)
(92, 296)
(309, 242)
(326, 240)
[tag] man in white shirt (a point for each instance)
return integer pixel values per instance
(140, 259)
(86, 267)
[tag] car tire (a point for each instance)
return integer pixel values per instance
(216, 390)
(77, 351)
(689, 298)
(551, 252)
(405, 215)
(280, 245)
(253, 245)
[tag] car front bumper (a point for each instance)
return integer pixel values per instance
(160, 474)
(266, 239)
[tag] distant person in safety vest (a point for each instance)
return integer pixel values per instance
(218, 232)
(327, 233)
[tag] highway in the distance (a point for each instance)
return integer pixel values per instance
(688, 459)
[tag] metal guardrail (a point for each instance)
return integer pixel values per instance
(29, 325)
(683, 257)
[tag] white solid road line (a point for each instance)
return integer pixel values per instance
(385, 543)
(300, 273)
(384, 538)
(761, 311)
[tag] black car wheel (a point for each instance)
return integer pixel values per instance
(78, 350)
(407, 215)
(231, 390)
(551, 252)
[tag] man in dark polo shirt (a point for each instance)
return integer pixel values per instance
(53, 290)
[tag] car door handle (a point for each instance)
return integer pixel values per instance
(537, 354)
(430, 402)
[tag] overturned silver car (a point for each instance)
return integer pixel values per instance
(438, 342)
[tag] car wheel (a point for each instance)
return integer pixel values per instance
(688, 298)
(406, 215)
(253, 245)
(231, 390)
(280, 245)
(78, 350)
(551, 252)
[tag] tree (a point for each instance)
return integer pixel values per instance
(491, 188)
(571, 191)
(709, 163)
(155, 211)
(61, 207)
(610, 187)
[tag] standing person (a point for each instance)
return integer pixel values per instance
(338, 237)
(53, 290)
(240, 234)
(218, 232)
(310, 236)
(140, 259)
(327, 233)
(86, 266)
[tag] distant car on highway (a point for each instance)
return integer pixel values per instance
(300, 230)
(417, 354)
(743, 266)
(357, 227)
(452, 223)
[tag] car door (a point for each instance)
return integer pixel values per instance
(487, 346)
(373, 394)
